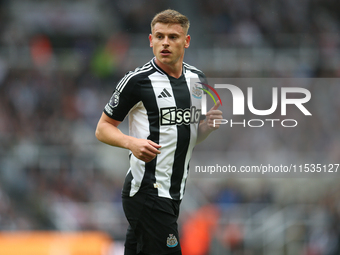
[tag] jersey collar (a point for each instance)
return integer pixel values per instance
(153, 62)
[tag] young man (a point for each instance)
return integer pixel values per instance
(162, 134)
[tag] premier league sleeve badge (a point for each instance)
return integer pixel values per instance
(114, 100)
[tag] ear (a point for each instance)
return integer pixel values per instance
(187, 41)
(150, 39)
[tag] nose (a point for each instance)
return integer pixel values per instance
(165, 41)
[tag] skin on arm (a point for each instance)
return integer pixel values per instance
(108, 132)
(209, 124)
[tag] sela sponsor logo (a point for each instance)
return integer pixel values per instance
(174, 116)
(238, 105)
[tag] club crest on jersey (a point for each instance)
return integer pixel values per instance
(114, 99)
(197, 91)
(171, 241)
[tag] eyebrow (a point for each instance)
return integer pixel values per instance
(160, 33)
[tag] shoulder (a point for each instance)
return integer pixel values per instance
(193, 69)
(131, 78)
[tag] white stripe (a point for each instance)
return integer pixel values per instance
(167, 138)
(126, 79)
(147, 65)
(155, 66)
(137, 168)
(122, 81)
(193, 133)
(191, 67)
(139, 128)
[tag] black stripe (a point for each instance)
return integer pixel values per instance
(147, 96)
(127, 185)
(182, 99)
(150, 103)
(163, 94)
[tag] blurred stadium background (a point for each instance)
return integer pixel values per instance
(58, 61)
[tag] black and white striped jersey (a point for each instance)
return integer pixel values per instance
(167, 111)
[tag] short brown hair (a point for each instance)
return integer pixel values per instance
(171, 17)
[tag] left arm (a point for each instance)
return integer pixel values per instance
(210, 124)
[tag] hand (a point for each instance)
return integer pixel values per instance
(145, 150)
(213, 116)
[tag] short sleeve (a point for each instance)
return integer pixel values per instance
(123, 98)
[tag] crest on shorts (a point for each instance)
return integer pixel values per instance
(171, 241)
(114, 99)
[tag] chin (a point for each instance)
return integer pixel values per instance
(165, 61)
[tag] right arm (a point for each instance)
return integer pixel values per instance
(107, 132)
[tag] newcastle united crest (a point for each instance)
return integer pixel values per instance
(171, 241)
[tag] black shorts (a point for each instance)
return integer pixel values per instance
(153, 224)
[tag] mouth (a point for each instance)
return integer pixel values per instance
(165, 52)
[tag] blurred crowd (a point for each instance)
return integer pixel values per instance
(261, 22)
(54, 85)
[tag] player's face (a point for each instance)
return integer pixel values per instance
(169, 42)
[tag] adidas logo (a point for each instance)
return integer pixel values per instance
(164, 94)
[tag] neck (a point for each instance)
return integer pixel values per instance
(172, 70)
